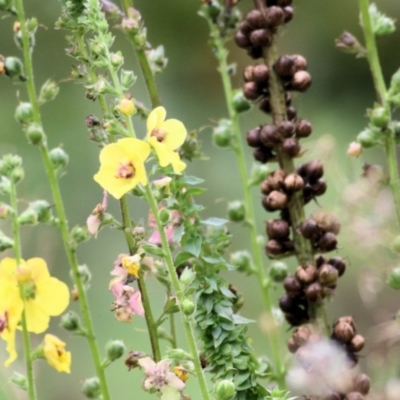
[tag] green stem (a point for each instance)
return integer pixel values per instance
(151, 326)
(145, 66)
(180, 296)
(221, 55)
(380, 88)
(63, 224)
(25, 333)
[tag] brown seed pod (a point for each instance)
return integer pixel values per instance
(253, 137)
(309, 229)
(255, 19)
(300, 62)
(251, 90)
(254, 52)
(293, 183)
(291, 147)
(291, 113)
(266, 187)
(327, 275)
(274, 248)
(261, 37)
(314, 292)
(301, 81)
(357, 343)
(319, 187)
(245, 27)
(301, 335)
(362, 383)
(276, 200)
(288, 14)
(261, 74)
(274, 16)
(292, 286)
(265, 105)
(277, 229)
(354, 396)
(288, 245)
(287, 303)
(276, 179)
(306, 273)
(327, 222)
(320, 261)
(327, 242)
(286, 129)
(292, 346)
(262, 154)
(242, 40)
(285, 67)
(269, 136)
(313, 170)
(339, 264)
(344, 331)
(248, 73)
(303, 128)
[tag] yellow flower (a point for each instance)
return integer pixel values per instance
(11, 307)
(165, 137)
(132, 264)
(45, 296)
(55, 354)
(122, 166)
(126, 107)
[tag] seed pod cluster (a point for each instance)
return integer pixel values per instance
(309, 284)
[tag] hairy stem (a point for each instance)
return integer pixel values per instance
(63, 224)
(380, 88)
(221, 55)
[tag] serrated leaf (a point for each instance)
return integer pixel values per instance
(214, 221)
(154, 250)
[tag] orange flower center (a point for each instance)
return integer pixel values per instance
(126, 171)
(159, 134)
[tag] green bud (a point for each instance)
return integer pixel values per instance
(222, 133)
(14, 68)
(178, 354)
(368, 138)
(113, 127)
(70, 321)
(84, 275)
(171, 306)
(157, 59)
(188, 306)
(239, 102)
(91, 388)
(37, 211)
(164, 216)
(187, 276)
(115, 349)
(258, 173)
(20, 380)
(6, 5)
(278, 271)
(79, 234)
(48, 91)
(380, 117)
(211, 10)
(5, 211)
(5, 185)
(11, 167)
(24, 113)
(5, 242)
(128, 78)
(34, 134)
(394, 278)
(396, 244)
(17, 175)
(59, 158)
(224, 390)
(242, 260)
(116, 59)
(381, 24)
(236, 211)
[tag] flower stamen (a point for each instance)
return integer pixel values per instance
(159, 134)
(126, 171)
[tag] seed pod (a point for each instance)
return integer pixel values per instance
(300, 62)
(276, 200)
(248, 73)
(293, 183)
(319, 187)
(276, 179)
(333, 396)
(288, 14)
(301, 81)
(320, 261)
(269, 136)
(314, 292)
(344, 331)
(314, 170)
(303, 128)
(251, 91)
(301, 335)
(262, 154)
(261, 38)
(278, 229)
(291, 147)
(285, 129)
(327, 222)
(300, 317)
(274, 248)
(309, 229)
(284, 3)
(356, 344)
(292, 345)
(265, 187)
(274, 16)
(291, 113)
(242, 40)
(339, 264)
(253, 137)
(254, 52)
(285, 67)
(306, 273)
(292, 286)
(327, 242)
(265, 104)
(245, 27)
(327, 275)
(287, 303)
(261, 74)
(362, 383)
(354, 396)
(255, 19)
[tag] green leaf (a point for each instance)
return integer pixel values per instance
(192, 180)
(182, 257)
(226, 292)
(238, 319)
(214, 259)
(193, 245)
(154, 250)
(214, 222)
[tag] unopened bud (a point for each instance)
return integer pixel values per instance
(242, 260)
(48, 91)
(354, 150)
(188, 306)
(34, 134)
(24, 113)
(380, 117)
(79, 234)
(240, 103)
(236, 211)
(115, 349)
(5, 242)
(278, 271)
(14, 68)
(59, 158)
(126, 107)
(394, 278)
(222, 134)
(70, 321)
(224, 390)
(91, 388)
(38, 211)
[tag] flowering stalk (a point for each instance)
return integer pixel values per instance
(381, 91)
(31, 387)
(63, 225)
(265, 283)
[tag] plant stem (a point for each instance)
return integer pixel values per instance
(145, 66)
(151, 327)
(180, 296)
(25, 334)
(380, 88)
(221, 55)
(63, 224)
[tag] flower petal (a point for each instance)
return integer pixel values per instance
(155, 119)
(40, 271)
(37, 319)
(52, 295)
(7, 270)
(112, 154)
(177, 164)
(163, 154)
(169, 393)
(147, 363)
(55, 354)
(176, 133)
(135, 148)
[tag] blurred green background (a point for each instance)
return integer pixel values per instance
(191, 91)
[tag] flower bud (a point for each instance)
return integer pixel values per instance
(240, 104)
(222, 133)
(303, 128)
(293, 183)
(253, 137)
(188, 306)
(164, 216)
(14, 68)
(128, 78)
(126, 107)
(278, 271)
(348, 43)
(275, 201)
(20, 380)
(236, 211)
(380, 117)
(91, 388)
(306, 273)
(79, 234)
(242, 260)
(381, 24)
(301, 81)
(354, 150)
(48, 91)
(38, 211)
(187, 276)
(5, 210)
(394, 278)
(224, 390)
(5, 242)
(368, 137)
(115, 349)
(258, 173)
(34, 134)
(70, 321)
(84, 274)
(24, 113)
(59, 158)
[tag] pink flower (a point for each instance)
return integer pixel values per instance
(128, 301)
(95, 220)
(169, 230)
(159, 378)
